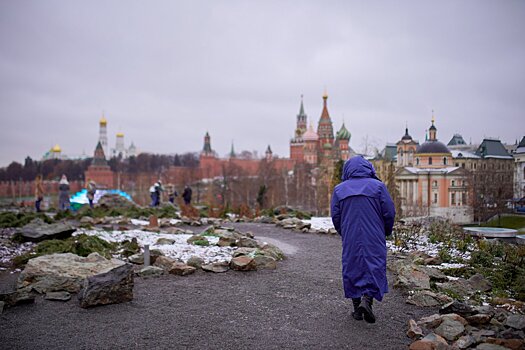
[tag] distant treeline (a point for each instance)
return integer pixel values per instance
(52, 169)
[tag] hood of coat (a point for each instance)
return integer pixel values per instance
(358, 167)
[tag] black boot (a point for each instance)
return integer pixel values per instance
(366, 309)
(357, 314)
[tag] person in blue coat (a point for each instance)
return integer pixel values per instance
(363, 214)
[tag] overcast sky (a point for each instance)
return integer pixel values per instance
(165, 72)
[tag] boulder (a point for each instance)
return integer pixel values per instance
(513, 344)
(457, 307)
(515, 321)
(244, 251)
(164, 262)
(111, 287)
(459, 287)
(479, 283)
(247, 242)
(410, 277)
(217, 267)
(181, 269)
(137, 259)
(17, 297)
(228, 239)
(263, 262)
(426, 298)
(151, 271)
(478, 319)
(431, 321)
(59, 296)
(450, 329)
(272, 251)
(195, 261)
(433, 260)
(116, 201)
(243, 263)
(164, 241)
(63, 272)
(414, 331)
(37, 230)
(431, 342)
(87, 220)
(488, 346)
(464, 342)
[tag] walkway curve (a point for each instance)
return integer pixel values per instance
(298, 306)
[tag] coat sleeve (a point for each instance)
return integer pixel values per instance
(388, 210)
(335, 210)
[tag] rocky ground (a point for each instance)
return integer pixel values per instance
(297, 306)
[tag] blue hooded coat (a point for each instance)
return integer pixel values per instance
(363, 214)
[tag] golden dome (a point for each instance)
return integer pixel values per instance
(103, 121)
(56, 149)
(119, 134)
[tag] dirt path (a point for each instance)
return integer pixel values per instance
(298, 306)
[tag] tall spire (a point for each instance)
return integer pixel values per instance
(301, 110)
(232, 152)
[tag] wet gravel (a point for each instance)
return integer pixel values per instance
(298, 306)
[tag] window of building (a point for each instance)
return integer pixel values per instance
(435, 198)
(475, 165)
(463, 165)
(463, 198)
(445, 160)
(453, 183)
(453, 199)
(457, 164)
(429, 160)
(434, 183)
(417, 161)
(464, 183)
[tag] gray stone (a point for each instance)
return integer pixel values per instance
(196, 238)
(414, 331)
(515, 321)
(426, 298)
(244, 251)
(164, 262)
(112, 287)
(195, 261)
(464, 342)
(482, 334)
(450, 329)
(37, 230)
(488, 346)
(513, 344)
(243, 263)
(478, 282)
(87, 220)
(228, 239)
(273, 251)
(457, 307)
(137, 259)
(216, 267)
(162, 241)
(459, 287)
(59, 296)
(263, 262)
(181, 269)
(410, 277)
(431, 321)
(63, 272)
(479, 319)
(151, 271)
(2, 304)
(247, 242)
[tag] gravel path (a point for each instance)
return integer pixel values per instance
(298, 306)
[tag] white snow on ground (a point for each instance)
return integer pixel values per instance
(139, 222)
(179, 250)
(421, 243)
(320, 223)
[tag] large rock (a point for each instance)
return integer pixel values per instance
(37, 230)
(63, 272)
(414, 331)
(479, 283)
(478, 319)
(247, 242)
(464, 342)
(450, 329)
(164, 241)
(228, 239)
(273, 251)
(457, 307)
(195, 261)
(181, 269)
(243, 263)
(217, 267)
(111, 201)
(263, 262)
(488, 346)
(515, 321)
(459, 287)
(58, 296)
(164, 262)
(112, 287)
(150, 271)
(410, 277)
(426, 298)
(431, 342)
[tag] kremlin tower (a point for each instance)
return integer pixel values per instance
(103, 135)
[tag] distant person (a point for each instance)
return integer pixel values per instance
(172, 194)
(63, 193)
(363, 214)
(39, 192)
(186, 195)
(91, 188)
(155, 192)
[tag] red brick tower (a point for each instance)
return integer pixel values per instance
(325, 131)
(99, 170)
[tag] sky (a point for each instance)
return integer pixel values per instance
(166, 72)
